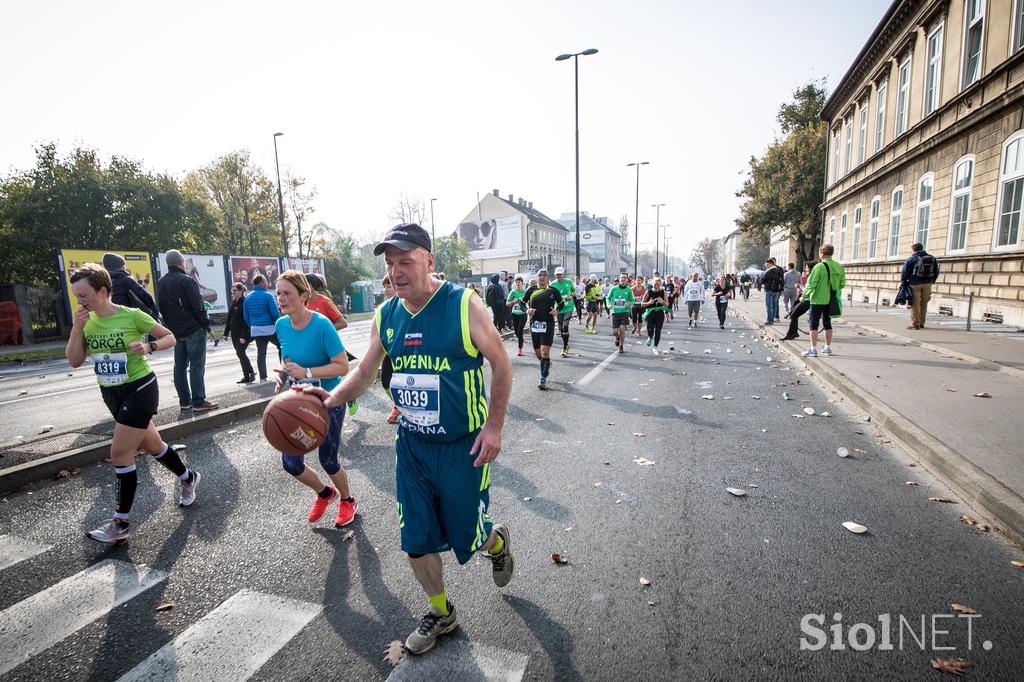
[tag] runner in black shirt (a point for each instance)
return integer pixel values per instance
(543, 301)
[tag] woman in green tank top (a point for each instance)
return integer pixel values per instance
(515, 301)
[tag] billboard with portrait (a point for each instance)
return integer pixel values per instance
(244, 268)
(209, 273)
(136, 263)
(493, 238)
(317, 266)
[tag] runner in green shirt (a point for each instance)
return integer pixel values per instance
(568, 291)
(620, 302)
(592, 296)
(515, 301)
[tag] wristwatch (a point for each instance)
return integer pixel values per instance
(152, 347)
(309, 373)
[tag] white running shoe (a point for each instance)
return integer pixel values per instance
(188, 491)
(827, 350)
(811, 352)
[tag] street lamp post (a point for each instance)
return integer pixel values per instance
(636, 215)
(657, 234)
(432, 237)
(576, 66)
(668, 264)
(280, 200)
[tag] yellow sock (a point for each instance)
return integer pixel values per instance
(440, 602)
(499, 545)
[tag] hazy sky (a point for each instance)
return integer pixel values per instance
(435, 99)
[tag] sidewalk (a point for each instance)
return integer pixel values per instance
(920, 386)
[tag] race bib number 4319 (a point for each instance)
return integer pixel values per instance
(418, 397)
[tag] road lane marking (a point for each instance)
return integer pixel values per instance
(44, 619)
(231, 642)
(14, 550)
(592, 374)
(451, 660)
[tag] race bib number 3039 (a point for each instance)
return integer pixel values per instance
(418, 397)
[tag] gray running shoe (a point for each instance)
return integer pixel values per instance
(111, 531)
(503, 566)
(431, 626)
(188, 492)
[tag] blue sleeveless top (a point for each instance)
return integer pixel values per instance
(438, 381)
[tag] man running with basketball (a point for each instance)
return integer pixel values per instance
(437, 335)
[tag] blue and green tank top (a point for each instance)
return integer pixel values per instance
(438, 381)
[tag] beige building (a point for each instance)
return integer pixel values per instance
(782, 246)
(926, 144)
(503, 232)
(730, 252)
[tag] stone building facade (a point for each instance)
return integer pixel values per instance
(926, 144)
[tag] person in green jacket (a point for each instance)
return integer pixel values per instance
(620, 302)
(827, 279)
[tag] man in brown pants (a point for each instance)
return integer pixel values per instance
(919, 271)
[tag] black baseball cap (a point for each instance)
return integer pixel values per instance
(406, 237)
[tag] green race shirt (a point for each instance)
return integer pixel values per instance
(516, 297)
(566, 289)
(620, 299)
(107, 341)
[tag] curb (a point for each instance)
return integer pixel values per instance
(18, 476)
(975, 487)
(942, 350)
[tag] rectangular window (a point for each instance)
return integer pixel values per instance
(924, 210)
(974, 30)
(832, 230)
(862, 137)
(842, 238)
(1018, 25)
(933, 71)
(849, 145)
(883, 90)
(856, 233)
(835, 157)
(876, 206)
(894, 223)
(961, 209)
(1009, 213)
(902, 97)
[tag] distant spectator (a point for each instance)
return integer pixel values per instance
(919, 271)
(824, 291)
(127, 291)
(791, 286)
(236, 328)
(773, 281)
(261, 312)
(183, 312)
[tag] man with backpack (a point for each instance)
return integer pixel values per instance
(773, 280)
(919, 271)
(127, 291)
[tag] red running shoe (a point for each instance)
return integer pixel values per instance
(346, 513)
(395, 414)
(320, 506)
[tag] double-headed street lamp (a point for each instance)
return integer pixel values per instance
(432, 237)
(636, 215)
(280, 200)
(657, 234)
(575, 56)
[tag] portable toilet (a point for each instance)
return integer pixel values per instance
(362, 296)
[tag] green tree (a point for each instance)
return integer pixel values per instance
(784, 186)
(451, 255)
(704, 256)
(344, 265)
(753, 251)
(78, 202)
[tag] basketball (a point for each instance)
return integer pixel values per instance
(295, 422)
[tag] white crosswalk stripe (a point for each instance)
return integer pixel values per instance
(40, 621)
(231, 642)
(14, 550)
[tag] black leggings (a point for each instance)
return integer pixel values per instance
(637, 313)
(799, 309)
(721, 307)
(242, 357)
(518, 324)
(261, 352)
(655, 321)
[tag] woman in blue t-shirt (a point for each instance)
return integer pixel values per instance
(313, 353)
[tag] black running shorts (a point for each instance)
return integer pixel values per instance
(134, 403)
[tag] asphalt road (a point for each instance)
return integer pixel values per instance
(256, 592)
(30, 394)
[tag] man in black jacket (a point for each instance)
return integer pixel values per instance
(127, 291)
(496, 302)
(773, 281)
(183, 313)
(919, 271)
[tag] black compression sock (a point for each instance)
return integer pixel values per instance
(127, 482)
(545, 366)
(326, 492)
(169, 458)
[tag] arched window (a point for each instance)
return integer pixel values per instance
(960, 203)
(1011, 192)
(857, 215)
(925, 187)
(895, 218)
(876, 208)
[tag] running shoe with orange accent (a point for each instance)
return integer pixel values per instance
(346, 513)
(321, 504)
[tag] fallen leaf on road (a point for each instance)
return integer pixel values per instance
(785, 396)
(756, 397)
(651, 603)
(727, 397)
(644, 581)
(643, 461)
(951, 666)
(557, 558)
(526, 452)
(960, 608)
(951, 390)
(752, 485)
(708, 397)
(46, 427)
(597, 484)
(911, 464)
(982, 394)
(611, 423)
(63, 473)
(860, 451)
(1017, 564)
(540, 419)
(708, 351)
(984, 527)
(940, 499)
(639, 435)
(393, 653)
(910, 483)
(738, 492)
(618, 501)
(809, 411)
(645, 414)
(854, 527)
(166, 606)
(527, 498)
(968, 520)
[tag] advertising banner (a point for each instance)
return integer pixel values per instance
(495, 238)
(244, 268)
(136, 263)
(209, 273)
(317, 266)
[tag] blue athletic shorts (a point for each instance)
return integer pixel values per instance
(442, 497)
